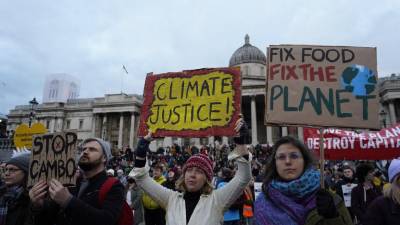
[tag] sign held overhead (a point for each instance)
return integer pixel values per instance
(322, 86)
(196, 103)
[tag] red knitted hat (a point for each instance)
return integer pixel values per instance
(200, 161)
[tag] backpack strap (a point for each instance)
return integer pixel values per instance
(105, 188)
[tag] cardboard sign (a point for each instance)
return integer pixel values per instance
(329, 86)
(53, 156)
(349, 145)
(23, 134)
(196, 103)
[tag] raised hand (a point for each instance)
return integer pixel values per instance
(59, 193)
(242, 131)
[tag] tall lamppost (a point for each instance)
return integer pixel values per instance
(33, 103)
(383, 114)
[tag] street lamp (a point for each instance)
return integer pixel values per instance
(33, 103)
(383, 114)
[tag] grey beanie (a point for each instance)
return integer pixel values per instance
(21, 161)
(105, 145)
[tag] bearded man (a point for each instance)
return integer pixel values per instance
(82, 205)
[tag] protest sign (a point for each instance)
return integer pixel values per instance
(196, 103)
(346, 190)
(53, 156)
(23, 134)
(322, 86)
(350, 145)
(257, 189)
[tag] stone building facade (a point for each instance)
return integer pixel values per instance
(389, 93)
(114, 117)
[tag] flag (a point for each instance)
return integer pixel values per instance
(124, 68)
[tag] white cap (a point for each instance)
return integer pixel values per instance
(111, 171)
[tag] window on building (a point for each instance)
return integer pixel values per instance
(47, 124)
(68, 125)
(262, 72)
(54, 85)
(80, 124)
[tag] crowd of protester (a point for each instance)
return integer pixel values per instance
(367, 180)
(356, 192)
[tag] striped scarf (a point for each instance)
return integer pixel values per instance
(10, 195)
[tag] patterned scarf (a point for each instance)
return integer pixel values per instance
(8, 198)
(287, 203)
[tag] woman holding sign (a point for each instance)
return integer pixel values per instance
(291, 192)
(14, 198)
(198, 203)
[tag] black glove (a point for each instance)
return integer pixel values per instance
(325, 204)
(244, 136)
(141, 151)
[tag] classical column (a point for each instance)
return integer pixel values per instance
(269, 135)
(104, 127)
(132, 130)
(121, 127)
(392, 113)
(211, 141)
(52, 125)
(179, 142)
(284, 131)
(253, 121)
(225, 140)
(196, 141)
(94, 120)
(59, 125)
(167, 141)
(300, 133)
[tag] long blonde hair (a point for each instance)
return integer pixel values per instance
(393, 191)
(180, 185)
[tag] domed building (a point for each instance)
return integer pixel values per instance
(252, 63)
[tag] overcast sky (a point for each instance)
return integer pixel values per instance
(92, 39)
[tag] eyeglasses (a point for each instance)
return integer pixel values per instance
(292, 156)
(10, 170)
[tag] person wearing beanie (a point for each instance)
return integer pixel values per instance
(14, 197)
(364, 193)
(196, 203)
(81, 205)
(385, 210)
(345, 185)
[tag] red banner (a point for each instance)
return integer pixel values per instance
(350, 145)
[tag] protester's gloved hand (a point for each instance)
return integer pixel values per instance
(326, 205)
(141, 150)
(243, 132)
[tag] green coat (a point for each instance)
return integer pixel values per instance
(344, 218)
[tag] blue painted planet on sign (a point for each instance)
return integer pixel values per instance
(359, 80)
